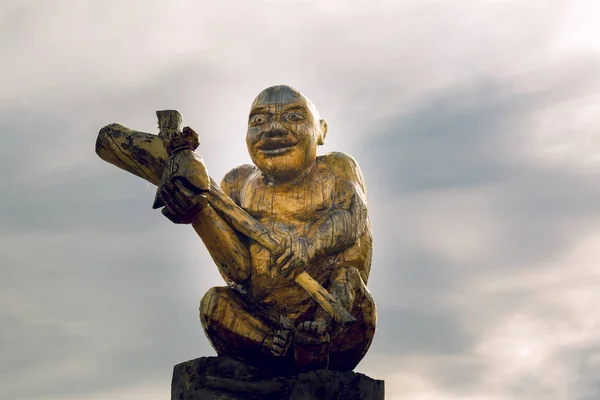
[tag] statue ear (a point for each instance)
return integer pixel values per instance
(323, 124)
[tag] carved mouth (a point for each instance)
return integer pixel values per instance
(276, 146)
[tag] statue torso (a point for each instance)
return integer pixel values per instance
(292, 208)
(286, 208)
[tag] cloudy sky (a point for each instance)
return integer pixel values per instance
(475, 122)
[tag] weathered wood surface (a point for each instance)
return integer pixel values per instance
(222, 378)
(140, 153)
(183, 166)
(307, 216)
(249, 226)
(133, 151)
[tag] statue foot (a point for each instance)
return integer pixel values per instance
(280, 342)
(313, 332)
(311, 345)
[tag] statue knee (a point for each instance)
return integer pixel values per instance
(210, 301)
(347, 274)
(353, 275)
(347, 283)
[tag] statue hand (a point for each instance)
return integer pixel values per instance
(181, 204)
(320, 330)
(291, 256)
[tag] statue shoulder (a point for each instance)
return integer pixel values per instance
(344, 166)
(234, 179)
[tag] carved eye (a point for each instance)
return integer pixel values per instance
(257, 120)
(293, 117)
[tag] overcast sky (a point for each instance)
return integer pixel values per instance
(475, 122)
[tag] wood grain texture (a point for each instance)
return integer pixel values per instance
(290, 234)
(222, 378)
(140, 153)
(117, 145)
(249, 226)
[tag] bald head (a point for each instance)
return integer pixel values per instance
(281, 95)
(284, 131)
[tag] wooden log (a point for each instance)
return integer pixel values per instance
(140, 153)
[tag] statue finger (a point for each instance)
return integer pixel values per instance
(278, 346)
(171, 202)
(293, 266)
(285, 323)
(321, 328)
(184, 190)
(287, 253)
(163, 196)
(277, 351)
(179, 198)
(168, 186)
(287, 267)
(182, 201)
(281, 247)
(169, 215)
(181, 195)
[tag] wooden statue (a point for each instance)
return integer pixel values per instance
(290, 234)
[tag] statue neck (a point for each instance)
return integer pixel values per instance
(274, 179)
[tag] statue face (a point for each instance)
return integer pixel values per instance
(283, 133)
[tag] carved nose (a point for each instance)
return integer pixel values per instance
(275, 130)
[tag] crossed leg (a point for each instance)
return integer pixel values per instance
(319, 344)
(235, 328)
(239, 329)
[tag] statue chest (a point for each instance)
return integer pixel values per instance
(288, 204)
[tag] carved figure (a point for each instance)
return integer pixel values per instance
(290, 234)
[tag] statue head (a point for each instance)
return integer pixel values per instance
(284, 131)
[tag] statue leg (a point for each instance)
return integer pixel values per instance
(235, 328)
(348, 346)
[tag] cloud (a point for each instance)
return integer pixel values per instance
(475, 127)
(471, 210)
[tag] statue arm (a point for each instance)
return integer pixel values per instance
(225, 245)
(344, 223)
